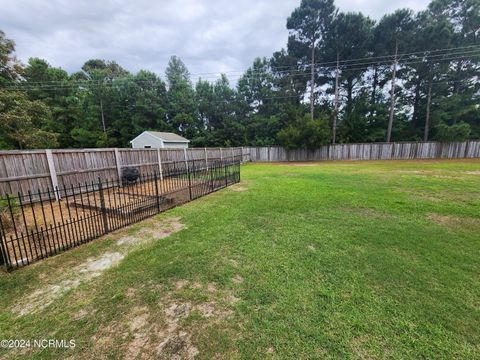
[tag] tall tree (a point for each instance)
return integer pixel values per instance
(348, 39)
(25, 124)
(181, 113)
(10, 67)
(462, 87)
(395, 32)
(100, 74)
(308, 25)
(54, 87)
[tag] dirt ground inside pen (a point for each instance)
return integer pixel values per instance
(52, 212)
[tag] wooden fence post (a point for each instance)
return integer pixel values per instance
(53, 173)
(466, 149)
(185, 158)
(221, 155)
(157, 195)
(160, 164)
(118, 163)
(206, 158)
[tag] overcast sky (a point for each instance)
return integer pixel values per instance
(210, 36)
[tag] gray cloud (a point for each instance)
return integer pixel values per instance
(211, 36)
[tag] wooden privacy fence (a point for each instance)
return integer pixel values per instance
(37, 170)
(368, 151)
(34, 170)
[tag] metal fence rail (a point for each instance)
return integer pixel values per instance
(36, 225)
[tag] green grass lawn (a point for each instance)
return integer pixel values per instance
(326, 260)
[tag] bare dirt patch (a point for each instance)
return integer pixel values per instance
(234, 263)
(177, 346)
(211, 287)
(237, 279)
(177, 311)
(153, 229)
(161, 230)
(206, 309)
(131, 292)
(240, 187)
(46, 295)
(147, 336)
(180, 284)
(475, 172)
(138, 319)
(80, 315)
(196, 285)
(94, 267)
(232, 299)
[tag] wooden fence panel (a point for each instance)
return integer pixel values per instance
(21, 171)
(214, 154)
(472, 149)
(426, 150)
(146, 160)
(74, 167)
(370, 151)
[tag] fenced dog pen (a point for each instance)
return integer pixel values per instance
(38, 224)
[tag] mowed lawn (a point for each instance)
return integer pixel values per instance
(309, 260)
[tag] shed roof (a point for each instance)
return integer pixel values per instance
(166, 136)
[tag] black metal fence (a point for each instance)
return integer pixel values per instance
(35, 225)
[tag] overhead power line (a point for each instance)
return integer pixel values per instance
(459, 55)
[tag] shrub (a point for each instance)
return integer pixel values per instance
(5, 215)
(457, 132)
(305, 133)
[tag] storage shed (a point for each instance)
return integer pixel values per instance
(161, 140)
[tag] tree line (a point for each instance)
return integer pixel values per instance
(341, 78)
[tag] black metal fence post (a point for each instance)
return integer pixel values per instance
(3, 248)
(157, 196)
(189, 181)
(225, 170)
(210, 170)
(102, 206)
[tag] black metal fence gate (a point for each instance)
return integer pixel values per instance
(40, 224)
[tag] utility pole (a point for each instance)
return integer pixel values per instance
(427, 115)
(392, 94)
(103, 117)
(312, 80)
(335, 112)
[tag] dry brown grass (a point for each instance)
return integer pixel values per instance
(456, 222)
